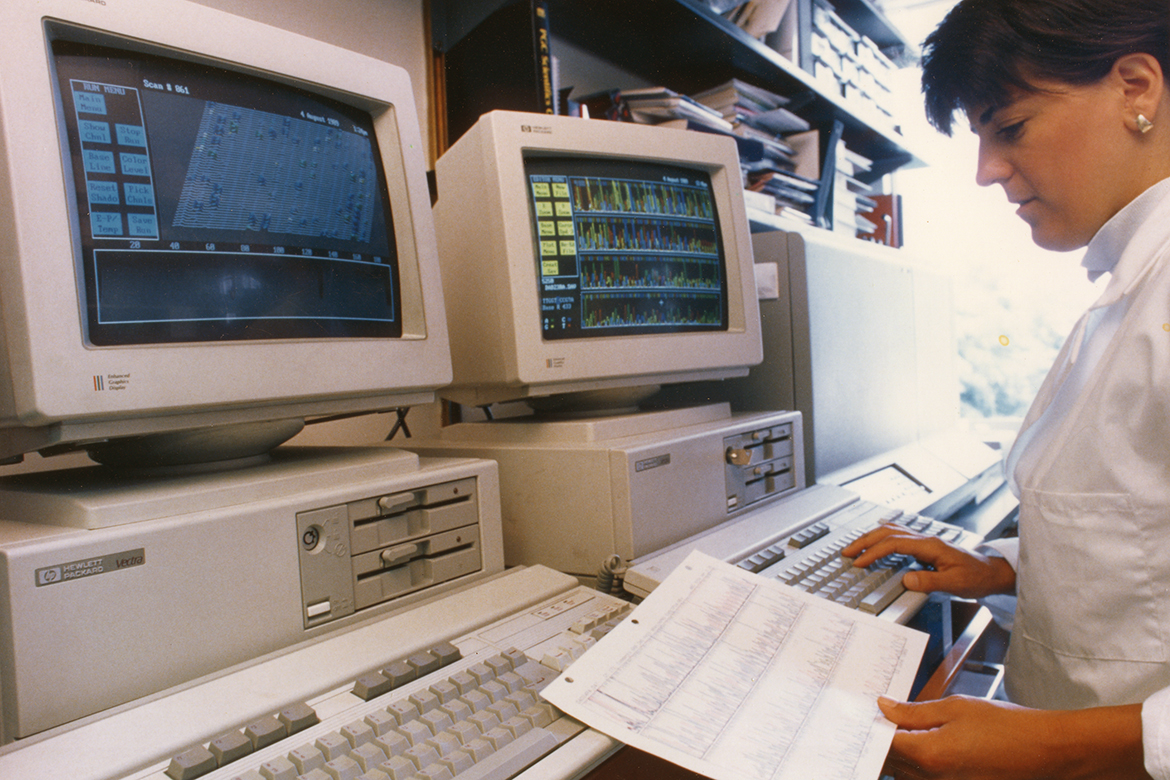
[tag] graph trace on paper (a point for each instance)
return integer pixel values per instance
(733, 675)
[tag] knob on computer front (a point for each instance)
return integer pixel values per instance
(738, 456)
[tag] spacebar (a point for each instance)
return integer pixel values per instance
(885, 594)
(513, 757)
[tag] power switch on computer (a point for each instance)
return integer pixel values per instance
(758, 465)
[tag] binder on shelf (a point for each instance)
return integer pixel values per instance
(821, 213)
(504, 62)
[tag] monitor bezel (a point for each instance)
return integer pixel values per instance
(509, 359)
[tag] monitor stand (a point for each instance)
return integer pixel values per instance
(579, 490)
(91, 497)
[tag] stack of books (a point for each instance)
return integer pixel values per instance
(653, 105)
(778, 151)
(853, 200)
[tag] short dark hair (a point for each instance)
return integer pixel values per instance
(986, 49)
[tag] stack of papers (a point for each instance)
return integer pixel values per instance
(739, 677)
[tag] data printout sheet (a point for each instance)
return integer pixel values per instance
(740, 677)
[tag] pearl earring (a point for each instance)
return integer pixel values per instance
(1143, 124)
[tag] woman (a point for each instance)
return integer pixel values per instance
(1070, 101)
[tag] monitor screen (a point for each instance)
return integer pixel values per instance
(222, 208)
(587, 263)
(625, 248)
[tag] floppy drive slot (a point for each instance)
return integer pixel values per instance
(385, 574)
(369, 551)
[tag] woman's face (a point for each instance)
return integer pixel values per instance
(1063, 155)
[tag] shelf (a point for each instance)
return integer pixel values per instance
(681, 45)
(868, 20)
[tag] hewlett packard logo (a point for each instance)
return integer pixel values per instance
(542, 129)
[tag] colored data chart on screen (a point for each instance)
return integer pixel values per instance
(625, 254)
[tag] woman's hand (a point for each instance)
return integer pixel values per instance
(957, 571)
(971, 739)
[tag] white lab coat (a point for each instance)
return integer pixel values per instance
(1092, 470)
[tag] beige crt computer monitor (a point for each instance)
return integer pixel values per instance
(587, 262)
(206, 225)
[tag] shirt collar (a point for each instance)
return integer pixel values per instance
(1111, 240)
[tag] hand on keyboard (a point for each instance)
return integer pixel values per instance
(957, 571)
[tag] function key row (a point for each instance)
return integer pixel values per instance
(297, 717)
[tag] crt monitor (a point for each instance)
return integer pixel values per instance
(206, 225)
(588, 262)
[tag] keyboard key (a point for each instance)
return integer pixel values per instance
(344, 768)
(884, 595)
(437, 721)
(465, 731)
(444, 691)
(523, 699)
(517, 726)
(251, 774)
(333, 745)
(517, 657)
(463, 681)
(368, 756)
(404, 710)
(476, 700)
(498, 664)
(381, 721)
(446, 652)
(230, 747)
(392, 743)
(423, 755)
(436, 771)
(375, 774)
(370, 686)
(425, 701)
(503, 710)
(494, 690)
(510, 680)
(306, 758)
(445, 743)
(499, 737)
(399, 768)
(357, 733)
(540, 715)
(400, 673)
(192, 763)
(279, 768)
(424, 663)
(457, 762)
(414, 730)
(479, 749)
(481, 672)
(458, 710)
(485, 720)
(297, 717)
(265, 731)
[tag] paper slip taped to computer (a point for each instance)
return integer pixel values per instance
(740, 677)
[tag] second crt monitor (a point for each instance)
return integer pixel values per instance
(582, 255)
(586, 264)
